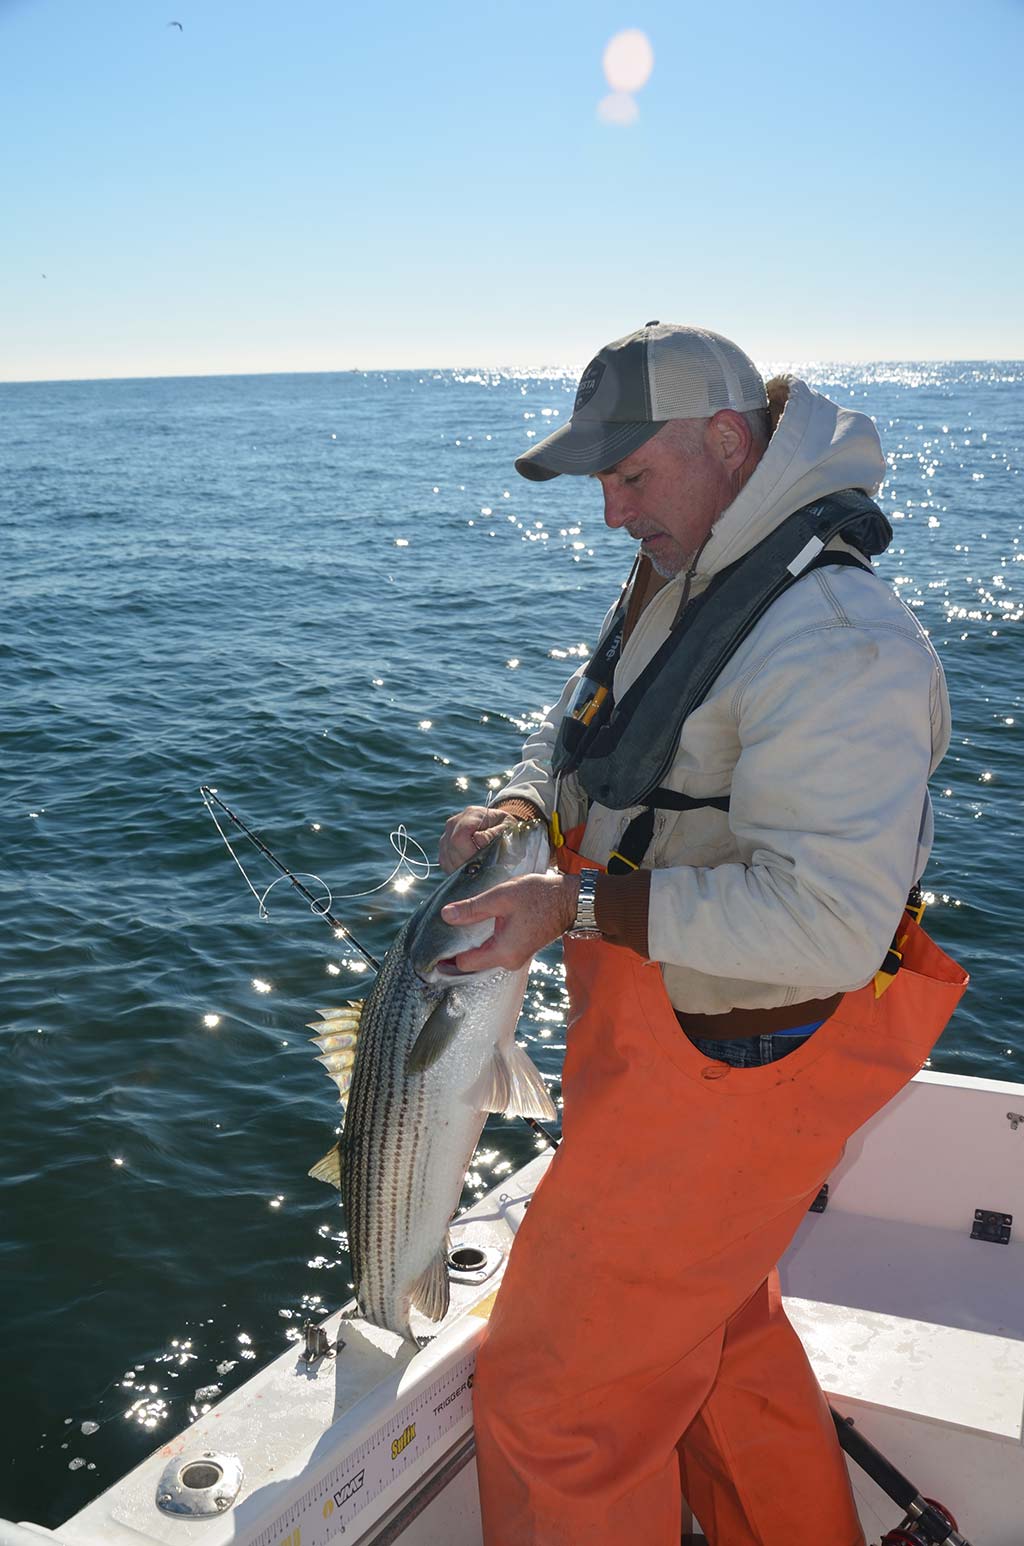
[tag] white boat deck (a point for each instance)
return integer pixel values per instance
(916, 1331)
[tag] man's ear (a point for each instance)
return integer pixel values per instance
(729, 438)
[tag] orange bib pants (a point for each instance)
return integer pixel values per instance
(638, 1350)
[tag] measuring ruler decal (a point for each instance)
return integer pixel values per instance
(326, 1511)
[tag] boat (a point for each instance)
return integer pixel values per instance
(905, 1282)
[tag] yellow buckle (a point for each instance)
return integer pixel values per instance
(557, 840)
(885, 980)
(587, 711)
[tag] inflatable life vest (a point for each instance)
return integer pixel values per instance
(621, 751)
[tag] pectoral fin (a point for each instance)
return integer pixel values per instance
(430, 1290)
(329, 1167)
(511, 1084)
(436, 1035)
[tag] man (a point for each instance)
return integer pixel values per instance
(737, 791)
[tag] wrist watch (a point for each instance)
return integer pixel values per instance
(585, 923)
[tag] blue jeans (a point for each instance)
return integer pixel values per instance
(748, 1051)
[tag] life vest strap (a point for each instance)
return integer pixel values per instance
(636, 839)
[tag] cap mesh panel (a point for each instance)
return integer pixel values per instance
(695, 373)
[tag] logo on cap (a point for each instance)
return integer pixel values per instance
(589, 383)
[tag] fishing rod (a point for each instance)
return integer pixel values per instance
(316, 905)
(315, 902)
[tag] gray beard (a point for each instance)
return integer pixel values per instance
(664, 566)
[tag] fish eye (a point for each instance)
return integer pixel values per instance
(473, 868)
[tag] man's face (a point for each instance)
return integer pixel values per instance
(669, 494)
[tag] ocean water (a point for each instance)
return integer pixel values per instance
(332, 598)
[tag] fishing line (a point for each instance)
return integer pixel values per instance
(317, 903)
(320, 906)
(227, 844)
(401, 841)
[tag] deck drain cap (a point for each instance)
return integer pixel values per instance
(198, 1486)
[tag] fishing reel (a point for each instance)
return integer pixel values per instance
(925, 1522)
(929, 1525)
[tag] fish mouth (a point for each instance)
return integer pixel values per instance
(445, 967)
(448, 968)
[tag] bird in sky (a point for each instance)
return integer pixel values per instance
(176, 24)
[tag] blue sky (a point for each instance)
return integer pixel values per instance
(322, 185)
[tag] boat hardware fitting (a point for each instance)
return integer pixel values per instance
(1015, 1118)
(473, 1263)
(994, 1226)
(318, 1344)
(199, 1486)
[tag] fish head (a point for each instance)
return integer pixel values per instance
(521, 848)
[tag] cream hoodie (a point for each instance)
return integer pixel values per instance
(824, 727)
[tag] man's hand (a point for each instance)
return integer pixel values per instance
(528, 914)
(467, 832)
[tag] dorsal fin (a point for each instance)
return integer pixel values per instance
(335, 1041)
(337, 1034)
(346, 1018)
(328, 1168)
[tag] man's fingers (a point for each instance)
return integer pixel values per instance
(480, 959)
(472, 910)
(528, 914)
(466, 833)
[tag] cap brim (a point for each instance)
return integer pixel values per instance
(584, 446)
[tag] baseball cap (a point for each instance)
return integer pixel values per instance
(635, 385)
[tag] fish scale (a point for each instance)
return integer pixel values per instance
(435, 1051)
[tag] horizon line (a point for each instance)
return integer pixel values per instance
(538, 369)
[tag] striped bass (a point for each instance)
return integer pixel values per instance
(422, 1060)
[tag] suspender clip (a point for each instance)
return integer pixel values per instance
(890, 966)
(554, 825)
(616, 868)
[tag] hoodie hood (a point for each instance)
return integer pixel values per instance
(818, 448)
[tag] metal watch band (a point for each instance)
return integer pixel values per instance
(585, 923)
